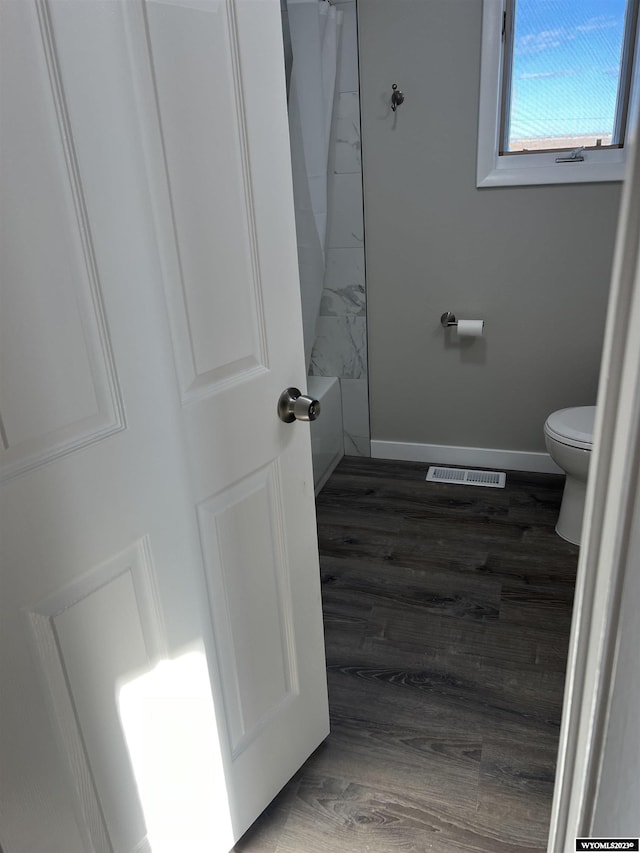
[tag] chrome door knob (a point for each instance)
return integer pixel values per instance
(294, 406)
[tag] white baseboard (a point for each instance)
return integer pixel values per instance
(473, 457)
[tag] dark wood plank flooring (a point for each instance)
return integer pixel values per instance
(447, 613)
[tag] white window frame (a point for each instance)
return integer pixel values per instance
(534, 169)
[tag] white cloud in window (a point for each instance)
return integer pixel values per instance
(537, 42)
(537, 75)
(549, 39)
(601, 22)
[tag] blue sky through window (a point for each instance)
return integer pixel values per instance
(566, 65)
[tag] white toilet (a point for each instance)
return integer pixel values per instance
(568, 435)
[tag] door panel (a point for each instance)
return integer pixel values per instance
(250, 575)
(61, 393)
(82, 630)
(148, 257)
(71, 629)
(195, 66)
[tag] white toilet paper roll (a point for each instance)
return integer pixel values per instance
(470, 328)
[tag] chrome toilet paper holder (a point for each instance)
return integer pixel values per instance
(448, 319)
(465, 328)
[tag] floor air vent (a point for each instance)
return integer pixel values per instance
(467, 477)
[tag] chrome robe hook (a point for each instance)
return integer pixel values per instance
(397, 97)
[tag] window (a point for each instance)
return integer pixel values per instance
(558, 84)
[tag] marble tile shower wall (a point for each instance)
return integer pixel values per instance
(340, 348)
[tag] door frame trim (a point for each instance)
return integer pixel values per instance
(609, 525)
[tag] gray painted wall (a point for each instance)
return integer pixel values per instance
(534, 262)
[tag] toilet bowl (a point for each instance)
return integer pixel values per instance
(568, 435)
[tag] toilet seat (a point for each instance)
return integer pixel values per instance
(573, 427)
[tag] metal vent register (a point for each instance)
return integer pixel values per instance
(467, 477)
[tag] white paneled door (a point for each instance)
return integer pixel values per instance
(161, 653)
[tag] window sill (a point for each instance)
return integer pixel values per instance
(506, 173)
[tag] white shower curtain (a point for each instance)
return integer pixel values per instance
(314, 27)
